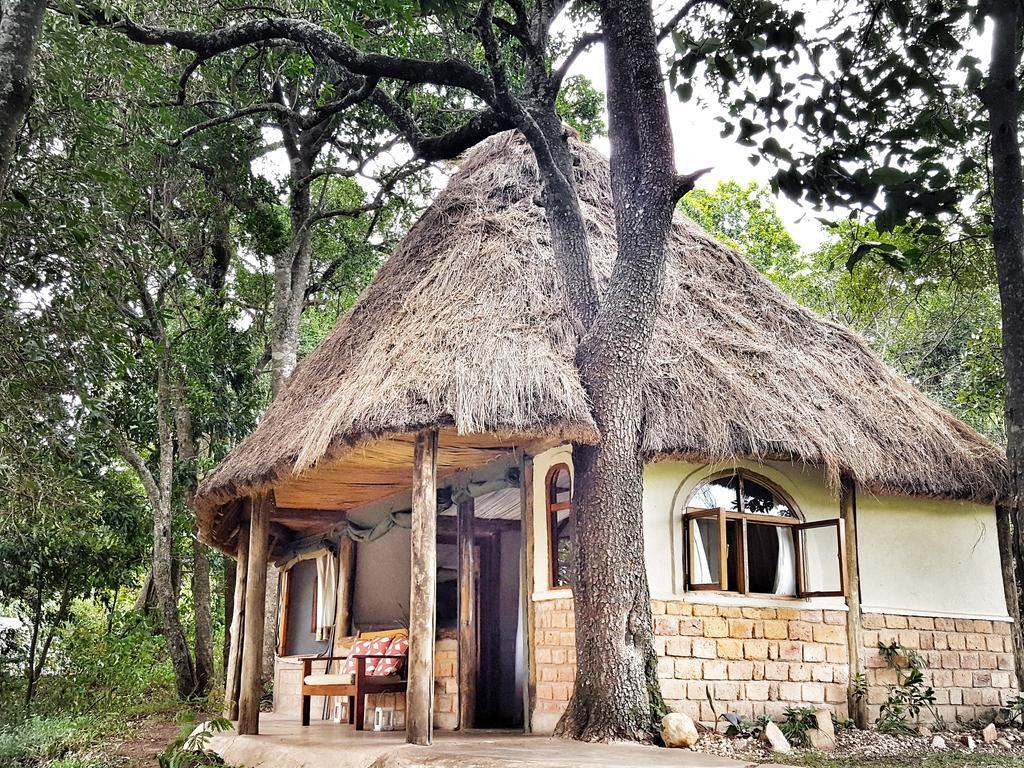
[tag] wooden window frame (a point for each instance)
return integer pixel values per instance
(553, 508)
(744, 518)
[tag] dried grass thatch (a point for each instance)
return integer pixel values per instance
(464, 327)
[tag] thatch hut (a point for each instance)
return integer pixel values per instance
(782, 452)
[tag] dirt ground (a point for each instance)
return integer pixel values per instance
(149, 737)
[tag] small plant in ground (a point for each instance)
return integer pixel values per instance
(900, 713)
(1013, 710)
(796, 722)
(860, 686)
(743, 727)
(191, 751)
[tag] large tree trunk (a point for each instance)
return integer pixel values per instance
(1001, 96)
(163, 550)
(20, 24)
(203, 612)
(616, 695)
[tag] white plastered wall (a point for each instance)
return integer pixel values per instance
(667, 487)
(543, 462)
(937, 558)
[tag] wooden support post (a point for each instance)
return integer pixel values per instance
(233, 669)
(469, 659)
(255, 609)
(1011, 590)
(526, 587)
(346, 581)
(854, 632)
(423, 597)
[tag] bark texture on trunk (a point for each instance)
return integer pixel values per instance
(163, 550)
(1001, 96)
(616, 694)
(203, 616)
(20, 24)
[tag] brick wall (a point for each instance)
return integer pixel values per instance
(288, 679)
(751, 661)
(969, 662)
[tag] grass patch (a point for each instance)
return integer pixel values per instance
(929, 760)
(39, 741)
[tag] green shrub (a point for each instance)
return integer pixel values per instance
(796, 722)
(901, 711)
(37, 741)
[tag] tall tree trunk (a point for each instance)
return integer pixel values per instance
(163, 550)
(1001, 96)
(616, 694)
(20, 25)
(202, 608)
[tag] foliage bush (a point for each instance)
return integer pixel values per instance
(796, 722)
(901, 711)
(100, 662)
(37, 741)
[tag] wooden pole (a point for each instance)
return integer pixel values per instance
(423, 594)
(857, 705)
(468, 652)
(233, 669)
(526, 586)
(1008, 560)
(346, 580)
(255, 608)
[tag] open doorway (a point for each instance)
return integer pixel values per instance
(497, 632)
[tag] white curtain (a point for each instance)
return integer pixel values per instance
(785, 568)
(326, 594)
(700, 571)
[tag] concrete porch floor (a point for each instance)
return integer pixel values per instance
(283, 743)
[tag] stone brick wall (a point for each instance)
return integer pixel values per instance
(969, 662)
(555, 656)
(288, 681)
(751, 661)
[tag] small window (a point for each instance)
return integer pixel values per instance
(558, 491)
(744, 536)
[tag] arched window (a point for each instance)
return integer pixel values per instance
(744, 535)
(558, 499)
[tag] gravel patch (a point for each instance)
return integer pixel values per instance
(872, 745)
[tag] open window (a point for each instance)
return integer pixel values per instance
(558, 496)
(743, 536)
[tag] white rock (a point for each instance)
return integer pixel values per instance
(820, 740)
(777, 739)
(1004, 744)
(989, 733)
(678, 730)
(938, 743)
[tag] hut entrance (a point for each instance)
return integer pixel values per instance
(490, 631)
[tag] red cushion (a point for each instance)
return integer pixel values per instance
(361, 648)
(396, 654)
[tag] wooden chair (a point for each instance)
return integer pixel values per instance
(355, 687)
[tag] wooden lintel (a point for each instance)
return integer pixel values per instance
(423, 593)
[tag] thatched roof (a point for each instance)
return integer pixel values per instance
(464, 327)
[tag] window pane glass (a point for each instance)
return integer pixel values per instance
(771, 559)
(759, 500)
(821, 559)
(704, 551)
(562, 536)
(561, 487)
(723, 493)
